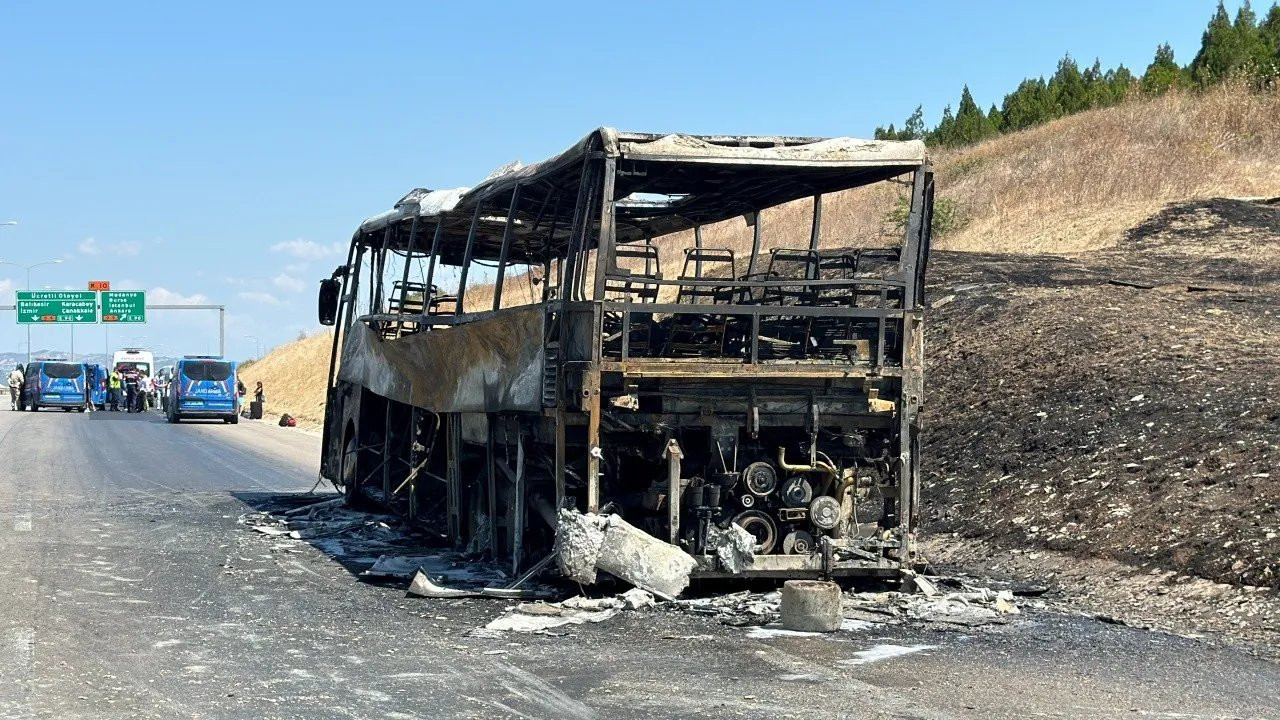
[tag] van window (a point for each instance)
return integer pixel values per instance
(213, 370)
(62, 370)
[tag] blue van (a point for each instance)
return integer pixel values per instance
(54, 383)
(203, 386)
(96, 377)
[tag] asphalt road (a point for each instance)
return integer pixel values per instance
(130, 590)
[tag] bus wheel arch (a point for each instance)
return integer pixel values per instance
(348, 465)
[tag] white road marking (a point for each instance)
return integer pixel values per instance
(24, 645)
(884, 652)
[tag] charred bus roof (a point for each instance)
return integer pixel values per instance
(663, 184)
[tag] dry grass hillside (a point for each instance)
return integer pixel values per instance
(293, 377)
(1077, 184)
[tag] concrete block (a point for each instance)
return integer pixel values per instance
(811, 606)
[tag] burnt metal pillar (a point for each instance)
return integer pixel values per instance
(591, 405)
(431, 261)
(506, 247)
(755, 243)
(415, 422)
(591, 378)
(491, 482)
(816, 231)
(697, 246)
(453, 476)
(672, 454)
(466, 255)
(605, 259)
(386, 452)
(518, 505)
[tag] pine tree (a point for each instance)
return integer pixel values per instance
(1067, 88)
(1120, 82)
(1268, 48)
(1027, 106)
(1096, 91)
(1163, 73)
(944, 134)
(996, 118)
(913, 128)
(971, 124)
(1220, 50)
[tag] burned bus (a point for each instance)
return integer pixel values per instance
(529, 346)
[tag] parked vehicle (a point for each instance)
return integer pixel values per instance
(141, 360)
(203, 386)
(54, 383)
(96, 379)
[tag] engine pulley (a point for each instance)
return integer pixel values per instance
(761, 527)
(797, 542)
(760, 478)
(797, 492)
(824, 512)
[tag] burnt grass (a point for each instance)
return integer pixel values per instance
(1122, 404)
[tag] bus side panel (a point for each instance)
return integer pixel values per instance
(490, 365)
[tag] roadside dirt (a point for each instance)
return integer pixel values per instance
(1120, 406)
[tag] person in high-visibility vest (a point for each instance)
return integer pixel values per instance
(113, 389)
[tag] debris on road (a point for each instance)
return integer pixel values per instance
(539, 617)
(378, 548)
(969, 607)
(586, 543)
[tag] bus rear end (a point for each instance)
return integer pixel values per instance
(203, 387)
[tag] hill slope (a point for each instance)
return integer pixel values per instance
(1123, 403)
(294, 377)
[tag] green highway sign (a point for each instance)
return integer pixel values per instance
(124, 306)
(57, 306)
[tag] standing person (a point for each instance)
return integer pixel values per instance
(258, 394)
(131, 390)
(114, 383)
(148, 387)
(241, 391)
(162, 391)
(16, 379)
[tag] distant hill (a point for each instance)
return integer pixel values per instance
(9, 359)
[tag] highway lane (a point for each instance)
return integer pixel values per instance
(130, 590)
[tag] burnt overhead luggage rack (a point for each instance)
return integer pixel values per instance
(508, 350)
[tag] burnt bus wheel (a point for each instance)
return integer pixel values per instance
(349, 475)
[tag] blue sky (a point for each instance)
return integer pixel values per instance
(223, 152)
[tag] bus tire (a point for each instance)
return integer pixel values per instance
(348, 470)
(233, 420)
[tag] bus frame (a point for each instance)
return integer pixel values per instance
(756, 391)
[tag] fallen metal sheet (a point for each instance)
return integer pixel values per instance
(532, 618)
(423, 586)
